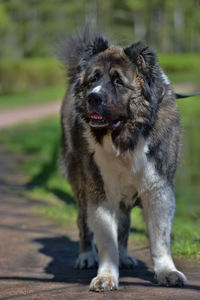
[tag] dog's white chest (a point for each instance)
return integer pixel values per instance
(121, 173)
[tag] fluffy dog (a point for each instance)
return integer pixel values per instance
(120, 143)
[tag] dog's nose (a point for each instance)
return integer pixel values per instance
(95, 98)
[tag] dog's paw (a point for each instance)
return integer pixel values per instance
(127, 262)
(103, 283)
(171, 278)
(86, 260)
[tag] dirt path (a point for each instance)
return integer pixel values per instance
(37, 257)
(10, 117)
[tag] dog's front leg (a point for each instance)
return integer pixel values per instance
(102, 221)
(159, 207)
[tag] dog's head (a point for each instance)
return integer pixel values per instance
(117, 90)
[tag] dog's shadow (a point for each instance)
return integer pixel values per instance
(63, 252)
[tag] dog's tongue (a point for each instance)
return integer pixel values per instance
(96, 116)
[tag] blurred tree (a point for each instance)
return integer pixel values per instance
(32, 28)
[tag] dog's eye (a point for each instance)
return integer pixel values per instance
(117, 81)
(94, 78)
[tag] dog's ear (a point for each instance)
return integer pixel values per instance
(97, 45)
(141, 55)
(76, 50)
(92, 46)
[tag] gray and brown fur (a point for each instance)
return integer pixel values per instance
(120, 143)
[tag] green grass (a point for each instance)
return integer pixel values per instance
(186, 229)
(45, 94)
(181, 67)
(189, 110)
(29, 74)
(38, 141)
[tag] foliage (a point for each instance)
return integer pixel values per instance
(181, 67)
(45, 94)
(33, 28)
(29, 74)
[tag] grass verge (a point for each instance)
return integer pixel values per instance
(181, 67)
(45, 94)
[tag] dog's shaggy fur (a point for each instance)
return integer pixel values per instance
(120, 144)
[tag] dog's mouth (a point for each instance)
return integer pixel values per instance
(98, 121)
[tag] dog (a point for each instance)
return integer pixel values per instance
(120, 145)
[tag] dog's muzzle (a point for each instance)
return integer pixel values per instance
(95, 109)
(97, 119)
